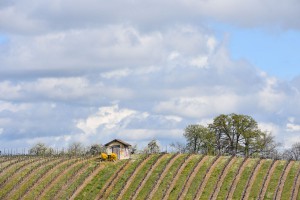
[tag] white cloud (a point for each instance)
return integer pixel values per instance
(61, 60)
(108, 117)
(270, 127)
(198, 107)
(293, 127)
(7, 106)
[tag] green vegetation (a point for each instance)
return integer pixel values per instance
(154, 176)
(208, 189)
(257, 185)
(183, 176)
(41, 185)
(78, 180)
(61, 177)
(167, 180)
(96, 184)
(198, 178)
(241, 186)
(229, 178)
(139, 177)
(34, 177)
(274, 180)
(287, 188)
(122, 180)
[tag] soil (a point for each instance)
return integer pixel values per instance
(190, 180)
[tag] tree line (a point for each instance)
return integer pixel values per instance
(234, 134)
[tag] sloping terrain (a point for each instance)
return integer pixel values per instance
(157, 176)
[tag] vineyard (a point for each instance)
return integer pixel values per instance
(156, 176)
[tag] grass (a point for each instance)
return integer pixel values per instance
(40, 186)
(63, 180)
(245, 175)
(287, 188)
(154, 176)
(224, 190)
(274, 180)
(34, 177)
(6, 162)
(78, 181)
(17, 177)
(257, 185)
(122, 180)
(167, 179)
(198, 178)
(92, 189)
(48, 178)
(212, 181)
(13, 169)
(139, 177)
(183, 176)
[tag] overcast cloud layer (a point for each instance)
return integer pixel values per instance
(91, 71)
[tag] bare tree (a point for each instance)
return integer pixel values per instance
(76, 149)
(153, 147)
(38, 149)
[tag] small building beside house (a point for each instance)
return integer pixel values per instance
(119, 147)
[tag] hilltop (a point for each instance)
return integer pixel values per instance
(156, 176)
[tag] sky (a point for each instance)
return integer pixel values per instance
(91, 71)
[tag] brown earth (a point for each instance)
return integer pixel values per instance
(190, 180)
(252, 179)
(203, 184)
(86, 181)
(265, 185)
(162, 177)
(219, 184)
(132, 178)
(176, 178)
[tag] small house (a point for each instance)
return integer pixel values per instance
(119, 147)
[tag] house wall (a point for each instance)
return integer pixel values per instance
(124, 152)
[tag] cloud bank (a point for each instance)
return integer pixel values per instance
(91, 71)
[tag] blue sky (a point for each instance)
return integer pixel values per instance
(276, 53)
(91, 71)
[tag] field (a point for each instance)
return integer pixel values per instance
(157, 176)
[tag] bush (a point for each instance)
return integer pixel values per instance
(103, 156)
(113, 157)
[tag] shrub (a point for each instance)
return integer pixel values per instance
(113, 156)
(103, 156)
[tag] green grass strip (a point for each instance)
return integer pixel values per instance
(161, 189)
(79, 180)
(154, 177)
(229, 178)
(33, 178)
(124, 177)
(212, 181)
(198, 178)
(7, 162)
(38, 189)
(13, 169)
(91, 190)
(139, 177)
(274, 180)
(63, 180)
(17, 177)
(288, 185)
(257, 185)
(183, 176)
(244, 178)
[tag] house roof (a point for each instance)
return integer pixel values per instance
(120, 141)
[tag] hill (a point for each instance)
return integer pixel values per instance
(158, 176)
